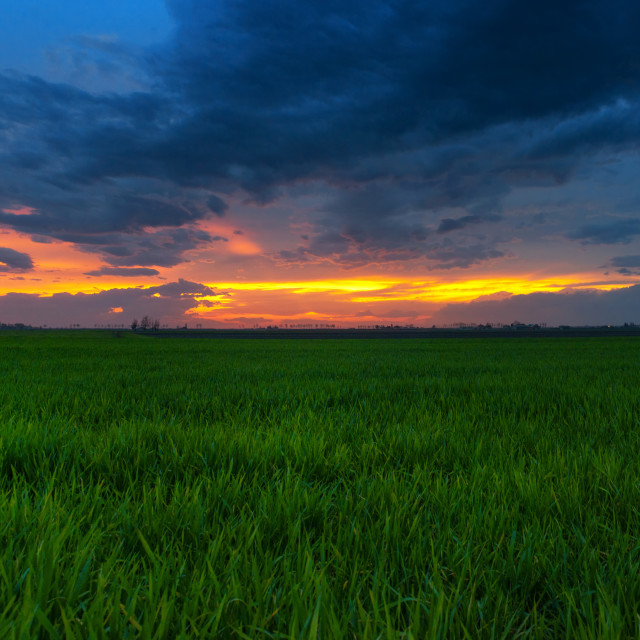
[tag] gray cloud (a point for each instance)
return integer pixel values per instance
(162, 248)
(181, 289)
(617, 231)
(14, 261)
(456, 255)
(217, 205)
(411, 114)
(125, 272)
(453, 224)
(170, 305)
(359, 248)
(122, 212)
(626, 261)
(577, 307)
(626, 265)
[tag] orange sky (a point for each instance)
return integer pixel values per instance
(252, 289)
(289, 296)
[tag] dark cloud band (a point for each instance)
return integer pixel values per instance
(408, 113)
(13, 261)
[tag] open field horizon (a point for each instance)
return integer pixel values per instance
(348, 298)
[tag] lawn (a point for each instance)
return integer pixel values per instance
(318, 488)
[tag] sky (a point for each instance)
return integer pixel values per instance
(232, 163)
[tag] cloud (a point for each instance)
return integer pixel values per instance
(218, 206)
(162, 248)
(412, 117)
(98, 64)
(121, 212)
(455, 255)
(453, 224)
(571, 307)
(626, 261)
(168, 302)
(620, 231)
(626, 265)
(126, 272)
(181, 288)
(12, 261)
(385, 241)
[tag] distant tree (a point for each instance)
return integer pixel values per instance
(145, 323)
(156, 325)
(134, 325)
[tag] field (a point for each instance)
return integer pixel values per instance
(318, 489)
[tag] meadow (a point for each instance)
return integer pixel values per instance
(318, 488)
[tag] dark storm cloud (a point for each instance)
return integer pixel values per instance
(357, 248)
(163, 248)
(469, 64)
(335, 82)
(123, 271)
(405, 109)
(455, 254)
(217, 205)
(452, 224)
(13, 261)
(626, 261)
(567, 307)
(626, 265)
(160, 247)
(170, 304)
(181, 289)
(618, 231)
(120, 213)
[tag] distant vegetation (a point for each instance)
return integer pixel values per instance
(306, 489)
(145, 324)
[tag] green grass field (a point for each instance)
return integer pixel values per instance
(318, 489)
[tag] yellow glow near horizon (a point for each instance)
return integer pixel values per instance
(468, 290)
(410, 289)
(357, 290)
(308, 286)
(46, 290)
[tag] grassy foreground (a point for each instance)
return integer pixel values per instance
(318, 489)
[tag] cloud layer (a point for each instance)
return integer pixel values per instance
(575, 308)
(168, 303)
(12, 261)
(414, 119)
(174, 304)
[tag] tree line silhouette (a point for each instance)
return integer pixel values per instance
(146, 324)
